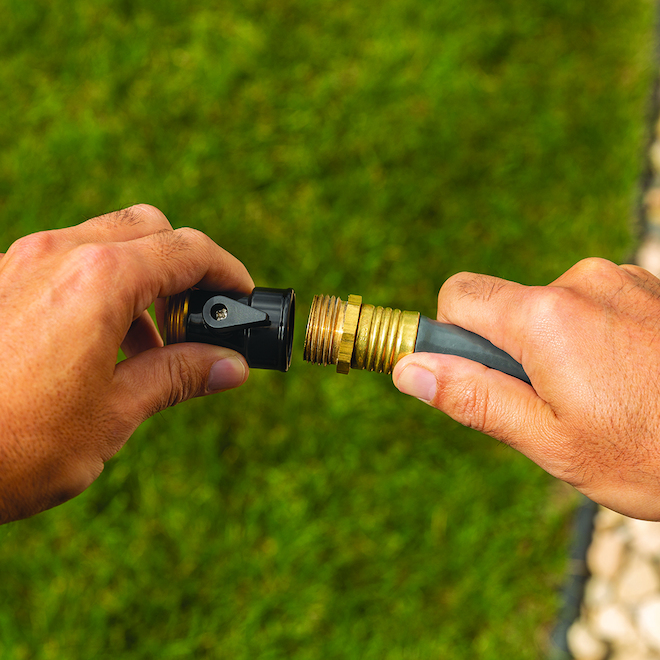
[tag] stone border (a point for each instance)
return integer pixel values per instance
(619, 615)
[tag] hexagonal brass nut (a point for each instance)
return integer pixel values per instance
(351, 318)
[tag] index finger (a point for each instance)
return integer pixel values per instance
(135, 273)
(118, 226)
(488, 306)
(172, 261)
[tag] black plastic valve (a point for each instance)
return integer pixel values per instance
(259, 326)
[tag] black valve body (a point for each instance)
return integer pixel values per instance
(265, 340)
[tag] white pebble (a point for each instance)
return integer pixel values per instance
(633, 652)
(654, 155)
(648, 620)
(638, 580)
(583, 644)
(605, 554)
(598, 592)
(648, 255)
(612, 624)
(645, 536)
(607, 519)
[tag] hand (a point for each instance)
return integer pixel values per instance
(68, 300)
(590, 343)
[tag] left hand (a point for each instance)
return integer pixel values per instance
(68, 300)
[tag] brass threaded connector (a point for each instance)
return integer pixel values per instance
(350, 334)
(175, 317)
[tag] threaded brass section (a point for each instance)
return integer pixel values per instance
(384, 336)
(324, 330)
(176, 315)
(359, 336)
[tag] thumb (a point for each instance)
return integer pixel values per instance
(162, 377)
(474, 395)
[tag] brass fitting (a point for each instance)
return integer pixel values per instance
(350, 334)
(176, 317)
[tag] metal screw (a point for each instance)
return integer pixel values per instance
(221, 314)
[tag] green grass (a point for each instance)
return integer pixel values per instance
(339, 147)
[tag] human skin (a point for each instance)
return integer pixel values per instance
(69, 299)
(590, 343)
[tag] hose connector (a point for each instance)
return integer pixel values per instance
(258, 325)
(350, 334)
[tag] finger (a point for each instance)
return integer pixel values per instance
(488, 306)
(170, 262)
(480, 398)
(637, 271)
(600, 278)
(141, 336)
(602, 281)
(643, 277)
(128, 277)
(160, 307)
(124, 225)
(162, 377)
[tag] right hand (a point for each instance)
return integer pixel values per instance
(590, 343)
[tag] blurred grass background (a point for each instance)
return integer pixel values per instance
(335, 147)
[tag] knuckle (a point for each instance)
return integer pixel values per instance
(148, 213)
(96, 259)
(185, 381)
(170, 242)
(133, 216)
(190, 236)
(547, 312)
(456, 282)
(598, 280)
(34, 246)
(91, 266)
(547, 303)
(472, 407)
(594, 268)
(457, 278)
(473, 285)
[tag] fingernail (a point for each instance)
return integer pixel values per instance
(226, 374)
(417, 382)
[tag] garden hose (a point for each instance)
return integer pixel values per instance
(348, 334)
(353, 335)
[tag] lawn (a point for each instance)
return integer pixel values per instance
(341, 147)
